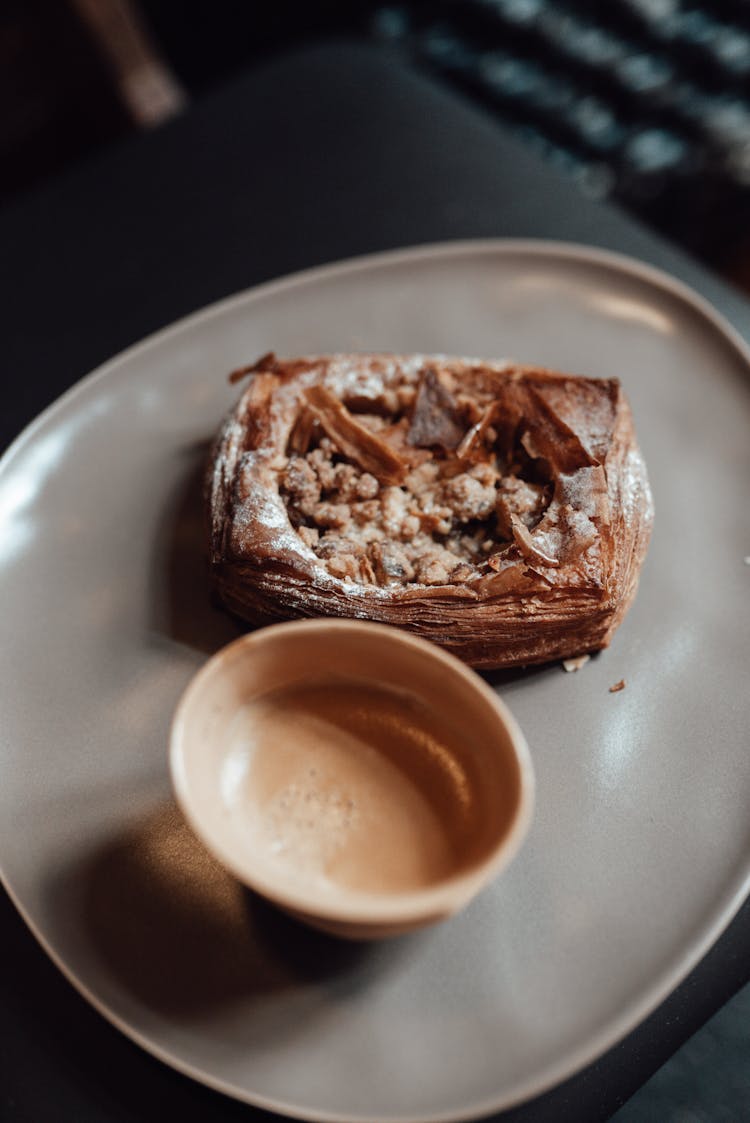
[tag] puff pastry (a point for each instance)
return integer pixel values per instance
(502, 511)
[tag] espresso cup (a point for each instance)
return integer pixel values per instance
(358, 777)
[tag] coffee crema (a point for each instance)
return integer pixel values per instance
(351, 784)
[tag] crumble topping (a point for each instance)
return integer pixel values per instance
(426, 483)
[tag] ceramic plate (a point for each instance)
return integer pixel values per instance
(640, 849)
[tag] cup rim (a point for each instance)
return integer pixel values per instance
(352, 906)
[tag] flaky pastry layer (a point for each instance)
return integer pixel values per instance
(502, 511)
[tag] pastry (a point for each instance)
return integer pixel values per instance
(502, 511)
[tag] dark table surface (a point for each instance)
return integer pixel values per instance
(330, 152)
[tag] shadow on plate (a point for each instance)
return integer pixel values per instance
(528, 675)
(184, 937)
(511, 675)
(182, 604)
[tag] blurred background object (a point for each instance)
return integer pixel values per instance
(142, 79)
(646, 102)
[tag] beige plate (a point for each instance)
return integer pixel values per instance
(639, 853)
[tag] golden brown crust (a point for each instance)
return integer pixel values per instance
(502, 511)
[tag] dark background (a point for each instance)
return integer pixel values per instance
(644, 102)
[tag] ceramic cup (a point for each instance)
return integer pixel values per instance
(358, 777)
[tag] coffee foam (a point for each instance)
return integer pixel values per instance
(353, 785)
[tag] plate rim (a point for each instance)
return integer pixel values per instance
(639, 1009)
(533, 247)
